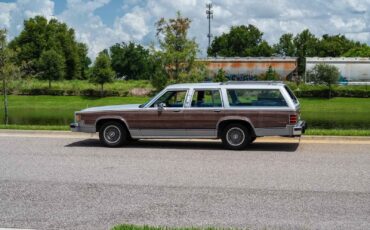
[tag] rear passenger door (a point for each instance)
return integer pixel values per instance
(203, 112)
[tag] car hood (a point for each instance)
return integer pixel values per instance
(112, 108)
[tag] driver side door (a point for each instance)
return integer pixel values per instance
(169, 120)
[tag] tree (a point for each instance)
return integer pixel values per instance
(362, 51)
(269, 75)
(324, 74)
(286, 46)
(38, 35)
(335, 46)
(8, 70)
(307, 45)
(220, 76)
(51, 66)
(241, 41)
(102, 71)
(177, 53)
(131, 61)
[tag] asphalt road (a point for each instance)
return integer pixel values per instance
(64, 181)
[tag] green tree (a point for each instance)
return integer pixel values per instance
(307, 45)
(177, 52)
(269, 75)
(51, 66)
(241, 41)
(220, 76)
(132, 61)
(38, 35)
(362, 51)
(8, 70)
(335, 46)
(324, 74)
(102, 71)
(286, 46)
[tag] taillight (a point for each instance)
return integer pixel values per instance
(293, 118)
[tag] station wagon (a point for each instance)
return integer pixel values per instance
(235, 112)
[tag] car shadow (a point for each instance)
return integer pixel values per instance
(196, 145)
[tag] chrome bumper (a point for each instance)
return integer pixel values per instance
(78, 127)
(299, 128)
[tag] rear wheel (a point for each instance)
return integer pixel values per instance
(236, 136)
(113, 134)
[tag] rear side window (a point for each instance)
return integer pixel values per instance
(291, 94)
(255, 97)
(206, 98)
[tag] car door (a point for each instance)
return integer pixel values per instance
(203, 113)
(168, 115)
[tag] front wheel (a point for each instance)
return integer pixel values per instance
(113, 134)
(236, 137)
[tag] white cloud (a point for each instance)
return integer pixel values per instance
(137, 18)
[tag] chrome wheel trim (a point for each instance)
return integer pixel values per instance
(112, 134)
(235, 136)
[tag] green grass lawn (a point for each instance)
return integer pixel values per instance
(336, 113)
(337, 116)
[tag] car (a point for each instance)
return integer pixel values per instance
(235, 112)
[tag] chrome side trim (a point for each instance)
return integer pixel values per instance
(173, 133)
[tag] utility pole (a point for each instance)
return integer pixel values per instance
(209, 13)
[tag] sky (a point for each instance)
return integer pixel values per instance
(102, 23)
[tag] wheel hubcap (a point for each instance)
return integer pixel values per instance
(235, 136)
(112, 134)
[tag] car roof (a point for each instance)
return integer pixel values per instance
(229, 84)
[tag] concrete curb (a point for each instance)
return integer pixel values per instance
(89, 135)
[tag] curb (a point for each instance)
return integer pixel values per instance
(89, 135)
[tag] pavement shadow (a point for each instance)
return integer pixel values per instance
(196, 145)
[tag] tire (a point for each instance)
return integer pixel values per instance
(236, 136)
(113, 134)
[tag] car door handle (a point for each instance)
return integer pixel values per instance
(176, 111)
(217, 110)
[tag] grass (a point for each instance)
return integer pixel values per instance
(337, 116)
(36, 127)
(56, 110)
(146, 227)
(336, 113)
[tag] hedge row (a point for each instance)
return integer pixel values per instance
(85, 92)
(324, 93)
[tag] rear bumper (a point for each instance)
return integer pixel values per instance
(79, 127)
(288, 131)
(299, 128)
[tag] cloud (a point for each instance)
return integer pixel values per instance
(136, 18)
(13, 14)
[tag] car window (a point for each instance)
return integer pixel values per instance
(255, 97)
(171, 99)
(291, 94)
(206, 98)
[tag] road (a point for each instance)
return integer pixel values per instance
(67, 181)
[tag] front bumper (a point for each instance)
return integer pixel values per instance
(80, 127)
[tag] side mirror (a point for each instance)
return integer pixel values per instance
(161, 106)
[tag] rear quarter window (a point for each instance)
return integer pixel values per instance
(255, 97)
(291, 94)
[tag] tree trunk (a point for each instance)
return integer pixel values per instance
(102, 90)
(49, 84)
(6, 115)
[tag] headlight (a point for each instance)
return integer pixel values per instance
(77, 118)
